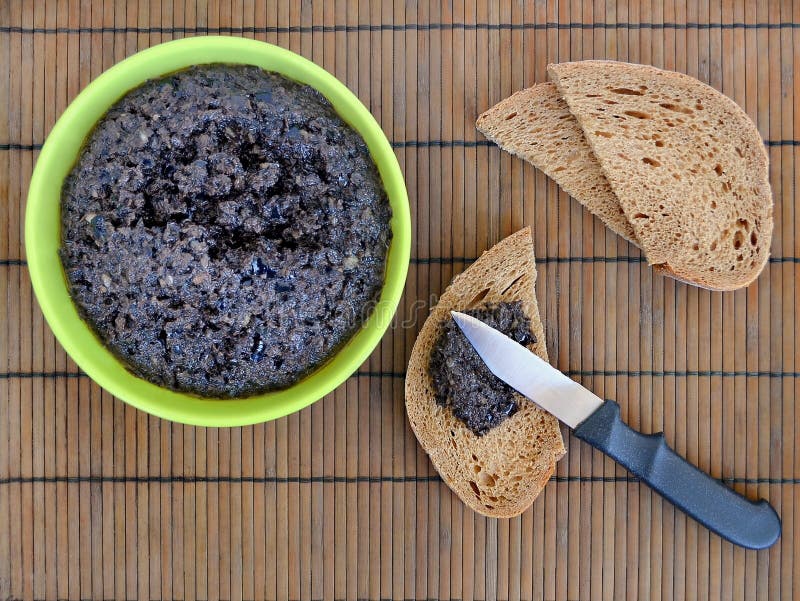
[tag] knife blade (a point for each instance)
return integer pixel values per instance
(754, 525)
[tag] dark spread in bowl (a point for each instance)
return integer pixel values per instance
(461, 379)
(224, 231)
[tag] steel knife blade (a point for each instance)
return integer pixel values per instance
(754, 525)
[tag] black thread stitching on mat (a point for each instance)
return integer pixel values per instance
(149, 599)
(401, 27)
(539, 260)
(583, 373)
(16, 146)
(409, 144)
(454, 260)
(41, 374)
(442, 143)
(545, 260)
(635, 373)
(178, 479)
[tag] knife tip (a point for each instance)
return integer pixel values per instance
(460, 318)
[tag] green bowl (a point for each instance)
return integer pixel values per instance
(43, 233)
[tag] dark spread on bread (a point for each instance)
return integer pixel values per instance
(224, 231)
(461, 379)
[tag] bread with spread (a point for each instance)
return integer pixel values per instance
(493, 447)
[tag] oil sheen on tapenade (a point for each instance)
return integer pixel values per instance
(224, 231)
(461, 379)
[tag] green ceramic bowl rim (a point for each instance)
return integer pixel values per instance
(43, 232)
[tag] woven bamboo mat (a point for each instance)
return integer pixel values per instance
(100, 501)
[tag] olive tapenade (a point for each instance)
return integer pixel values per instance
(224, 231)
(461, 379)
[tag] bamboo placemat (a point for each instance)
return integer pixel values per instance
(100, 501)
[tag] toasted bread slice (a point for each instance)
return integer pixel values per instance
(500, 473)
(536, 125)
(686, 163)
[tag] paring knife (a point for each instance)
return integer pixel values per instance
(754, 525)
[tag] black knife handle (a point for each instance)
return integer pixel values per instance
(754, 525)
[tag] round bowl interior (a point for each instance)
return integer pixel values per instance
(43, 232)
